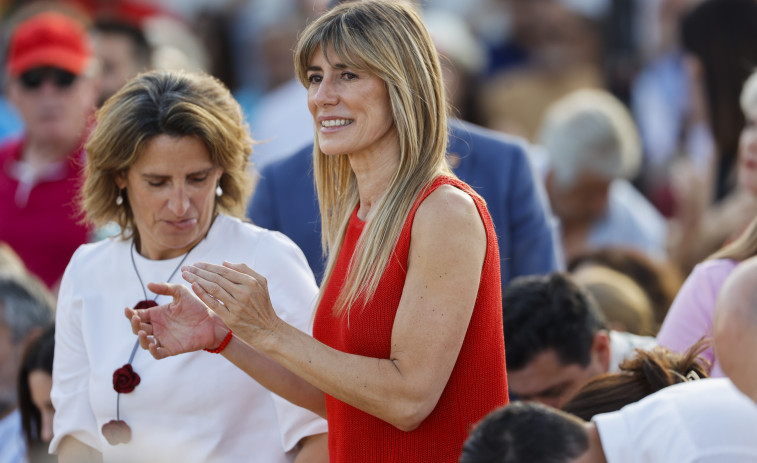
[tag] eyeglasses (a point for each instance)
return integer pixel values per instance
(34, 78)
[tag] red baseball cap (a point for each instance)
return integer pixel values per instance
(49, 39)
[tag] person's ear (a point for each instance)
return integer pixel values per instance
(600, 349)
(120, 180)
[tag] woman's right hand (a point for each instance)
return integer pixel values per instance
(183, 325)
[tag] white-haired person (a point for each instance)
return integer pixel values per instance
(590, 150)
(407, 349)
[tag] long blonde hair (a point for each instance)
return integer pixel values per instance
(387, 39)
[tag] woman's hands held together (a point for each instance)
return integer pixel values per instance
(238, 296)
(183, 325)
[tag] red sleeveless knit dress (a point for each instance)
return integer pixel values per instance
(478, 383)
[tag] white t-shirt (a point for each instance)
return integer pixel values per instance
(702, 421)
(195, 407)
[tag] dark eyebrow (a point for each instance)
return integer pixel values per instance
(191, 174)
(333, 65)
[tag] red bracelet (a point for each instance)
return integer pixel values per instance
(223, 345)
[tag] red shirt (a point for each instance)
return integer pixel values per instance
(38, 214)
(478, 383)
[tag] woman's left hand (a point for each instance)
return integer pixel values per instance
(183, 325)
(238, 295)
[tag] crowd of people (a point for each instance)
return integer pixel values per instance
(486, 231)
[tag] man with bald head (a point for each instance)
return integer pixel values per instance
(734, 327)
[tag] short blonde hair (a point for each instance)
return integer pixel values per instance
(387, 39)
(175, 103)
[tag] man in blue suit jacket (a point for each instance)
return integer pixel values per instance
(493, 164)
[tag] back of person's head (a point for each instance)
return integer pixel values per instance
(526, 432)
(590, 130)
(175, 103)
(722, 34)
(37, 357)
(25, 310)
(10, 262)
(11, 266)
(549, 312)
(622, 301)
(24, 305)
(734, 327)
(660, 280)
(644, 374)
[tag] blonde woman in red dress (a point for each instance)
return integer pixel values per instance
(407, 351)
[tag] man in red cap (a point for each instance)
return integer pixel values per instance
(50, 75)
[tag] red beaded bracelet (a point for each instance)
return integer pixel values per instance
(223, 345)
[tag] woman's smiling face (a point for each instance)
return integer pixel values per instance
(350, 107)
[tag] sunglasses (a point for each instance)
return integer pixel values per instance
(34, 78)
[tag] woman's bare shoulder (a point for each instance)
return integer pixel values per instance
(448, 210)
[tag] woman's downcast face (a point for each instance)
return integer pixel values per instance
(171, 191)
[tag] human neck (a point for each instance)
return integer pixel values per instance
(373, 173)
(596, 453)
(40, 153)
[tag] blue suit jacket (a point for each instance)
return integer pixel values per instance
(493, 164)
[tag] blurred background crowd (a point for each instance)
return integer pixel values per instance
(638, 117)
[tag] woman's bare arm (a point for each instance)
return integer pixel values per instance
(313, 449)
(448, 245)
(72, 450)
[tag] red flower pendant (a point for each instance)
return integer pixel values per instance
(125, 379)
(145, 304)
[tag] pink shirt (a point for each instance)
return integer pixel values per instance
(690, 316)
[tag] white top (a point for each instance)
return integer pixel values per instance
(195, 407)
(702, 421)
(630, 221)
